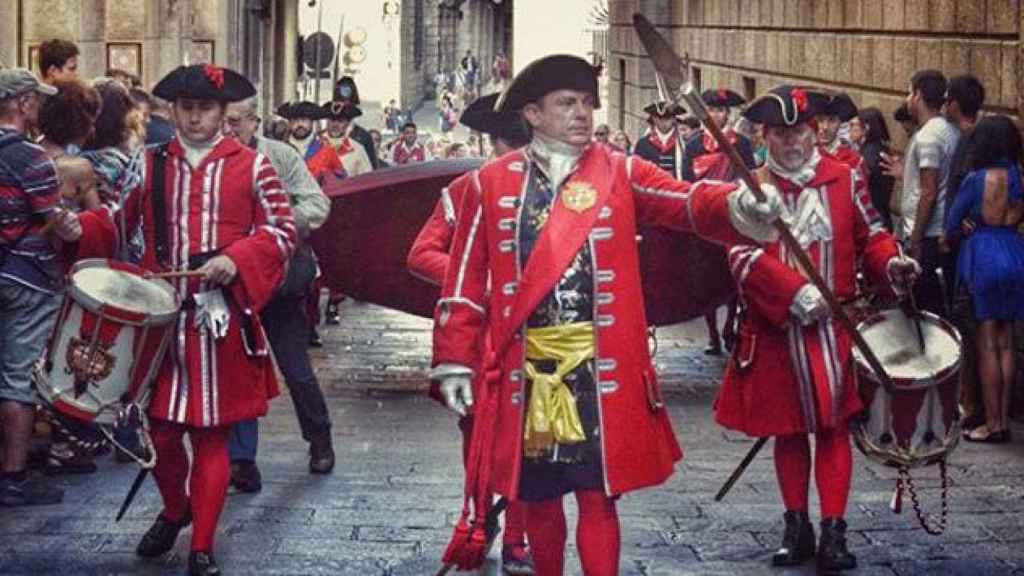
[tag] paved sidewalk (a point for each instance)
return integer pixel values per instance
(388, 508)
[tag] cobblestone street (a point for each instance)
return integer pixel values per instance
(389, 506)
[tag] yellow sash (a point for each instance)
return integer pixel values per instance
(552, 416)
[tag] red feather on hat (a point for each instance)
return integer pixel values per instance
(215, 75)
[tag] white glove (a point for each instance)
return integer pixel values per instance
(755, 219)
(457, 391)
(903, 272)
(809, 305)
(212, 312)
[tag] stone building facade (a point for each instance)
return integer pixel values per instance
(436, 34)
(152, 37)
(868, 48)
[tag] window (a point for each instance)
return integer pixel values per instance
(697, 84)
(749, 88)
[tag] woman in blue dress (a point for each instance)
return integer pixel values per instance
(991, 263)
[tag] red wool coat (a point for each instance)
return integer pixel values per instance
(638, 445)
(233, 202)
(784, 378)
(429, 255)
(846, 155)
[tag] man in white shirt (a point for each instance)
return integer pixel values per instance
(925, 181)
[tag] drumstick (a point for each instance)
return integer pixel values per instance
(913, 303)
(177, 274)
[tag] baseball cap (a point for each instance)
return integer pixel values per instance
(17, 81)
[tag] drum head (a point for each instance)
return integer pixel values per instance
(892, 336)
(125, 290)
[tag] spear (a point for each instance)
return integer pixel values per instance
(337, 53)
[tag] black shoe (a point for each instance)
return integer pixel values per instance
(321, 454)
(713, 351)
(246, 477)
(160, 537)
(832, 553)
(28, 492)
(332, 317)
(797, 540)
(314, 339)
(202, 564)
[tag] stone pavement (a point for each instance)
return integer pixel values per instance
(388, 508)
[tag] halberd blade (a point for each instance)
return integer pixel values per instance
(669, 66)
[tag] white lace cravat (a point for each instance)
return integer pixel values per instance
(555, 157)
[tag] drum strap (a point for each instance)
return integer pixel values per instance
(159, 204)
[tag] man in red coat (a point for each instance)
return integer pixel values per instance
(429, 258)
(219, 209)
(703, 159)
(408, 150)
(551, 229)
(835, 110)
(791, 373)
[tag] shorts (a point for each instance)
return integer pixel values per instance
(27, 317)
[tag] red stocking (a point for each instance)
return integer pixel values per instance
(515, 525)
(209, 483)
(545, 525)
(597, 535)
(833, 468)
(171, 469)
(793, 470)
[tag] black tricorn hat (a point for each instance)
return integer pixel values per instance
(302, 109)
(664, 109)
(785, 105)
(839, 104)
(340, 111)
(204, 82)
(544, 76)
(722, 98)
(345, 90)
(481, 116)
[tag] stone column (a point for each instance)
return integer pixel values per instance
(285, 38)
(92, 60)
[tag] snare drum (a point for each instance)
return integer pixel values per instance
(108, 342)
(917, 422)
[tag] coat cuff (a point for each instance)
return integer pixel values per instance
(446, 369)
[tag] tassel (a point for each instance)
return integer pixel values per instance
(457, 545)
(896, 504)
(476, 549)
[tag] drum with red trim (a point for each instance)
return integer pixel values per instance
(109, 339)
(917, 421)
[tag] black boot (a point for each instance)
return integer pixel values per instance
(202, 564)
(832, 553)
(160, 537)
(246, 477)
(321, 454)
(797, 541)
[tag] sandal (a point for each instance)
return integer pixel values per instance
(979, 436)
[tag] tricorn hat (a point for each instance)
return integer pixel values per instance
(839, 104)
(345, 90)
(722, 98)
(301, 109)
(481, 116)
(340, 111)
(544, 76)
(204, 82)
(664, 109)
(785, 105)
